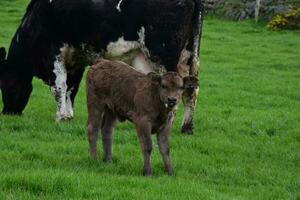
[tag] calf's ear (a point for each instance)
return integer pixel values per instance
(154, 77)
(2, 54)
(190, 82)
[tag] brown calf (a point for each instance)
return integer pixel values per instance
(117, 91)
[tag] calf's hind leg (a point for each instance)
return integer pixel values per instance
(93, 127)
(109, 120)
(95, 113)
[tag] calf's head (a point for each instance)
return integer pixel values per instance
(170, 87)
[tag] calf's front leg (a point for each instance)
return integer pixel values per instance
(143, 128)
(163, 144)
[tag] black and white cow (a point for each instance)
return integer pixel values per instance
(58, 38)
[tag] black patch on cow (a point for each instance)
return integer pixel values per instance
(46, 26)
(2, 54)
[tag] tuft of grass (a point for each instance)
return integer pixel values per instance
(246, 143)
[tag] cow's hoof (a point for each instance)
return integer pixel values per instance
(16, 113)
(63, 118)
(67, 118)
(187, 129)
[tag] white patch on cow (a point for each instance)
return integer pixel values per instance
(119, 6)
(196, 48)
(142, 46)
(64, 104)
(141, 64)
(185, 55)
(196, 52)
(187, 115)
(50, 1)
(60, 87)
(183, 68)
(189, 109)
(69, 106)
(134, 53)
(141, 34)
(121, 47)
(17, 38)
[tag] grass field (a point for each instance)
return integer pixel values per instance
(246, 143)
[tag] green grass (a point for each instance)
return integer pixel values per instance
(246, 143)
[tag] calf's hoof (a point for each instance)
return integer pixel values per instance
(187, 129)
(169, 171)
(93, 156)
(147, 173)
(107, 160)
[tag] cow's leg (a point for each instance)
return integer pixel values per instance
(59, 89)
(190, 92)
(73, 83)
(109, 120)
(193, 63)
(16, 89)
(189, 100)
